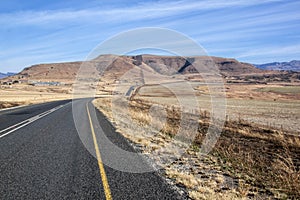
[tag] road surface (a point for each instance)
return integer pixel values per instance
(43, 157)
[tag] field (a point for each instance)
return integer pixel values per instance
(253, 103)
(23, 94)
(256, 156)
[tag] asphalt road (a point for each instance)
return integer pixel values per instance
(44, 157)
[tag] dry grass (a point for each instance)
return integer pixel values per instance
(270, 161)
(24, 94)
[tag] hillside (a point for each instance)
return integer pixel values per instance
(287, 66)
(170, 65)
(49, 72)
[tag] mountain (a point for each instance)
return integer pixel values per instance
(4, 75)
(113, 67)
(287, 66)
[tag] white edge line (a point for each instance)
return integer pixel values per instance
(30, 120)
(14, 107)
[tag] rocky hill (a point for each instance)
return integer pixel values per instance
(286, 66)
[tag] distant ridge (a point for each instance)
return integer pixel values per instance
(4, 75)
(293, 65)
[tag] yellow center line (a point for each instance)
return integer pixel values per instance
(100, 164)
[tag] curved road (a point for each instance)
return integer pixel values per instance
(43, 157)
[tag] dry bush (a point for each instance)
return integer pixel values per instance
(287, 167)
(270, 162)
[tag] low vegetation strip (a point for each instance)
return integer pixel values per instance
(5, 104)
(281, 90)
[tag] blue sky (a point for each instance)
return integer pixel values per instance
(38, 31)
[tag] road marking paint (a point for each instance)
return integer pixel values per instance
(19, 125)
(100, 164)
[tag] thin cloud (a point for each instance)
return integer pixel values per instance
(140, 11)
(272, 51)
